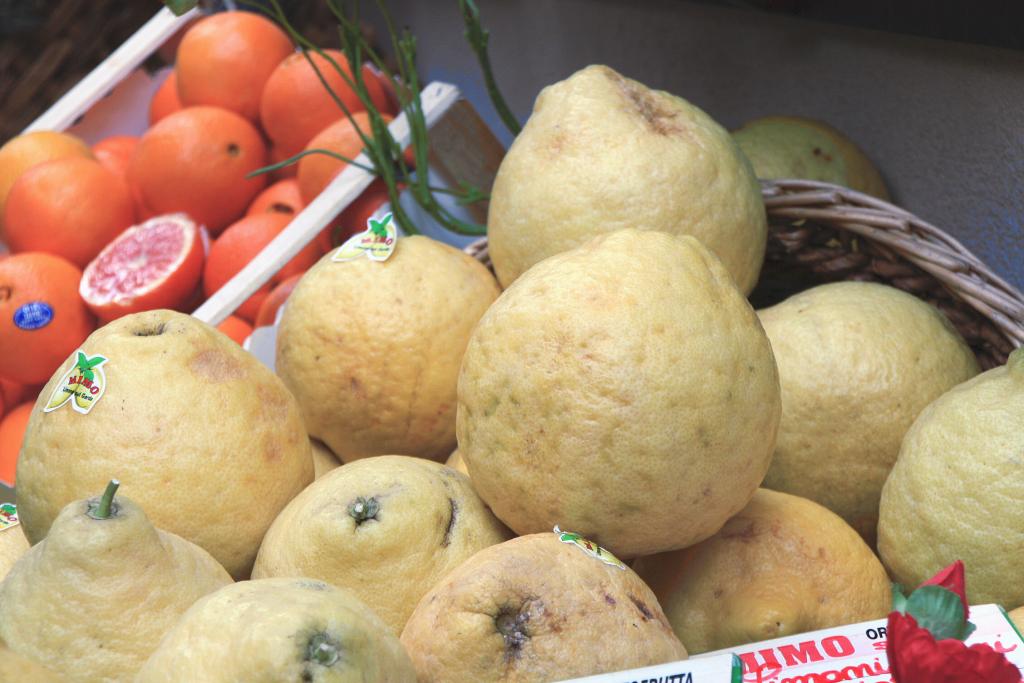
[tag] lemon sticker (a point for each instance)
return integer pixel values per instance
(81, 386)
(377, 242)
(589, 547)
(8, 516)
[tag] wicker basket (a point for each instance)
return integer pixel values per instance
(819, 233)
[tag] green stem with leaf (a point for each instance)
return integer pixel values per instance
(386, 157)
(478, 38)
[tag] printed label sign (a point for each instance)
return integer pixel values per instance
(377, 242)
(720, 669)
(589, 547)
(33, 315)
(82, 386)
(857, 652)
(8, 516)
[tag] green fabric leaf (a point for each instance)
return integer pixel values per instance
(899, 601)
(940, 611)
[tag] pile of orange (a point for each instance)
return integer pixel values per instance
(238, 99)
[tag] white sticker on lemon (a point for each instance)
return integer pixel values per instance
(8, 516)
(82, 385)
(377, 242)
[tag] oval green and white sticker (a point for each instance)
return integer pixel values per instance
(8, 516)
(377, 242)
(81, 386)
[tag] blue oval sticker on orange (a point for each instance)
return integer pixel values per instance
(33, 315)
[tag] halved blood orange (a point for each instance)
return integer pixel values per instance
(156, 264)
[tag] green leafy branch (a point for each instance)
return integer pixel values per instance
(384, 152)
(478, 38)
(386, 156)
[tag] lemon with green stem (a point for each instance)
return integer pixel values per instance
(65, 602)
(282, 629)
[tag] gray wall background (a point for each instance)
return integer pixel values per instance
(944, 121)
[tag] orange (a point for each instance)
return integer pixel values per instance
(281, 197)
(12, 433)
(239, 244)
(236, 328)
(15, 392)
(268, 309)
(225, 59)
(42, 318)
(25, 151)
(388, 103)
(165, 100)
(295, 106)
(115, 152)
(195, 161)
(278, 155)
(69, 207)
(341, 137)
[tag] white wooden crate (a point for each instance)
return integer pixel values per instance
(114, 99)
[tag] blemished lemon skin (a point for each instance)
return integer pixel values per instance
(14, 667)
(269, 630)
(426, 521)
(202, 435)
(799, 147)
(624, 390)
(955, 491)
(784, 565)
(601, 153)
(533, 610)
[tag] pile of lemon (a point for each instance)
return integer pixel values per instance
(647, 467)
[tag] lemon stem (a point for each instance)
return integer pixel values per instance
(101, 510)
(362, 509)
(323, 651)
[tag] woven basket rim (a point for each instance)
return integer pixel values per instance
(934, 251)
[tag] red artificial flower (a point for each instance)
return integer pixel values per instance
(952, 579)
(916, 657)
